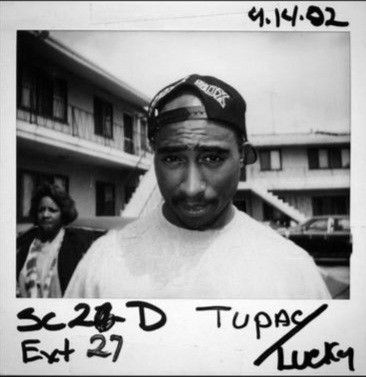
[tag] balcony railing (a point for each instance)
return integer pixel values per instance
(297, 177)
(80, 124)
(291, 172)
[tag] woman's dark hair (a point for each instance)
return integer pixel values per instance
(60, 197)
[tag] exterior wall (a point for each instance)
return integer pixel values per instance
(74, 150)
(295, 183)
(80, 119)
(295, 173)
(82, 180)
(81, 94)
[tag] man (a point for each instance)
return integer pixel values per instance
(197, 244)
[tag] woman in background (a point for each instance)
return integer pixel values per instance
(48, 253)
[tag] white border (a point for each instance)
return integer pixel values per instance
(189, 343)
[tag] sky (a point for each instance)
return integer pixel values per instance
(292, 82)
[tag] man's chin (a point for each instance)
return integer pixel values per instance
(196, 221)
(193, 217)
(203, 218)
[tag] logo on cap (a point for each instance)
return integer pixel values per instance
(213, 91)
(164, 92)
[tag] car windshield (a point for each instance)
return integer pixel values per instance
(317, 225)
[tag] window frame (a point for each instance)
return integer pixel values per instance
(329, 151)
(102, 211)
(143, 135)
(269, 150)
(100, 113)
(39, 79)
(129, 148)
(64, 95)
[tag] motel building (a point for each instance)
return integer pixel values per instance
(86, 130)
(296, 176)
(77, 126)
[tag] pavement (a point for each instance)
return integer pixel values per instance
(337, 278)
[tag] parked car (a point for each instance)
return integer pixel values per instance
(326, 238)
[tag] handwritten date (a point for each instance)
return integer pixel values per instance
(314, 14)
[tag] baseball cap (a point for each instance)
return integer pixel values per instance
(222, 103)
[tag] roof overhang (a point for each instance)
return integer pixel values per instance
(299, 139)
(80, 66)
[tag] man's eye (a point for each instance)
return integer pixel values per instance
(171, 160)
(212, 159)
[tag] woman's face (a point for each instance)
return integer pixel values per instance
(49, 216)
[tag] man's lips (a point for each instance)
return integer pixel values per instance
(194, 208)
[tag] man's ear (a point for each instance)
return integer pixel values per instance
(248, 154)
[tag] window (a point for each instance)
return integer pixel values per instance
(144, 141)
(270, 159)
(335, 158)
(41, 94)
(345, 156)
(128, 133)
(105, 202)
(328, 158)
(331, 205)
(28, 181)
(59, 100)
(103, 118)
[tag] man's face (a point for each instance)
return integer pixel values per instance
(197, 164)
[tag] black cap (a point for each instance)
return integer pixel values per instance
(222, 103)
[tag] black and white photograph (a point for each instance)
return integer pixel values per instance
(256, 208)
(187, 171)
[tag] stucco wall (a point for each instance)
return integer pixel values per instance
(295, 173)
(82, 179)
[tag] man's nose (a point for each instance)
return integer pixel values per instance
(193, 183)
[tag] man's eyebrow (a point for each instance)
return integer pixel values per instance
(172, 149)
(212, 149)
(198, 148)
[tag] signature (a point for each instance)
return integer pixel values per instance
(312, 358)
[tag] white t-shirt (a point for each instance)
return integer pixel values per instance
(152, 258)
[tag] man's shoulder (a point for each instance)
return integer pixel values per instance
(265, 240)
(251, 228)
(115, 241)
(141, 226)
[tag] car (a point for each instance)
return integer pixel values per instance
(326, 238)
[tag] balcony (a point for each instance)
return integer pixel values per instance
(297, 178)
(80, 125)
